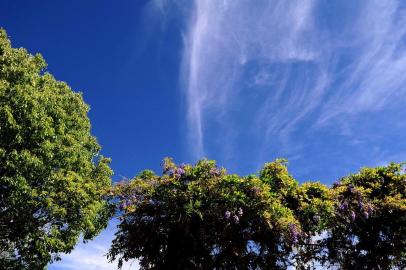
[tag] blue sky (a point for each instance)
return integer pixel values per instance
(321, 83)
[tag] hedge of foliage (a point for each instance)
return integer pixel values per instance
(200, 217)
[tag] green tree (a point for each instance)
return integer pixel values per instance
(51, 174)
(312, 206)
(200, 217)
(368, 230)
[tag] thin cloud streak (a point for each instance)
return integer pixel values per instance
(375, 77)
(304, 71)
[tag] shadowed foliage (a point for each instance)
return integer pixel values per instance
(200, 217)
(368, 230)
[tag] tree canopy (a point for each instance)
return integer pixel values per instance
(51, 173)
(201, 217)
(368, 230)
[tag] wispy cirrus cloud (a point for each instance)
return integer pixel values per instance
(375, 74)
(260, 72)
(226, 36)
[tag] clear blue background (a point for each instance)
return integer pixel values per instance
(105, 50)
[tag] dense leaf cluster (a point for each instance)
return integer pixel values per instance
(51, 173)
(200, 217)
(368, 230)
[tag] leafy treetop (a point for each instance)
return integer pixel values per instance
(368, 230)
(51, 173)
(200, 217)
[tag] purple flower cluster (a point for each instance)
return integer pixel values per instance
(236, 216)
(127, 202)
(370, 209)
(180, 171)
(130, 200)
(294, 233)
(343, 206)
(123, 205)
(171, 171)
(240, 212)
(353, 216)
(367, 211)
(351, 188)
(255, 191)
(215, 172)
(176, 172)
(182, 165)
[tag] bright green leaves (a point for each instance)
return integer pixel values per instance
(315, 206)
(276, 175)
(52, 178)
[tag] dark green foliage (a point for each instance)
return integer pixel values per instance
(368, 230)
(200, 217)
(51, 175)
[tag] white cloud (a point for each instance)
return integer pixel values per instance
(375, 78)
(92, 255)
(309, 69)
(226, 36)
